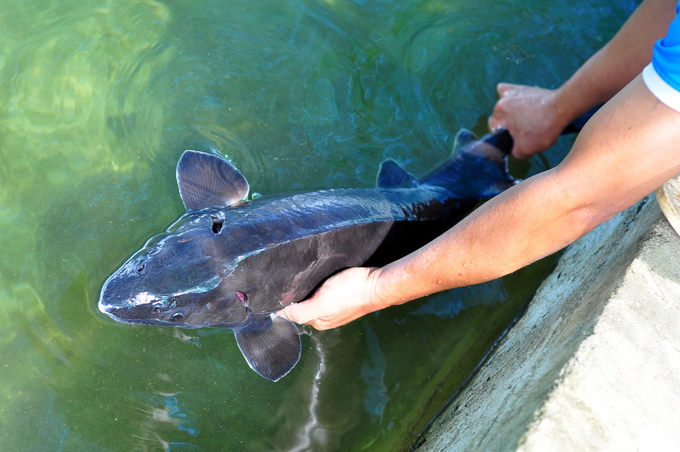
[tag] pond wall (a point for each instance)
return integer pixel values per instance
(594, 363)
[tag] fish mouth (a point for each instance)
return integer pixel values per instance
(139, 321)
(109, 307)
(127, 314)
(151, 308)
(132, 316)
(144, 298)
(133, 311)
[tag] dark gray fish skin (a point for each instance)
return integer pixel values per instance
(234, 264)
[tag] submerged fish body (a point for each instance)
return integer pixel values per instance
(232, 263)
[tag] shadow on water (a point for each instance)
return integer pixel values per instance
(98, 101)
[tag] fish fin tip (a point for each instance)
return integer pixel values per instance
(272, 348)
(463, 138)
(206, 180)
(392, 175)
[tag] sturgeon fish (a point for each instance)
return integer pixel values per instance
(230, 262)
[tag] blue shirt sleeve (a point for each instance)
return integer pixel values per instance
(662, 76)
(666, 56)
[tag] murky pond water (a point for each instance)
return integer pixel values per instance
(97, 102)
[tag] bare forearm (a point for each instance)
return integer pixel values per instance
(507, 233)
(545, 213)
(618, 62)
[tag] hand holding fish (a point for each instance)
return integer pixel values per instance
(342, 298)
(535, 116)
(531, 116)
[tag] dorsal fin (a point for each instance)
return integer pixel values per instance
(463, 138)
(391, 175)
(205, 180)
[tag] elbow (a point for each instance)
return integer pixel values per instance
(589, 217)
(577, 208)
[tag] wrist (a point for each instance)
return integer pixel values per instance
(568, 105)
(378, 289)
(388, 286)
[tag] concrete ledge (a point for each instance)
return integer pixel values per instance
(594, 363)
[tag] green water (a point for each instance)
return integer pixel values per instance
(97, 102)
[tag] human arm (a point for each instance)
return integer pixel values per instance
(535, 117)
(531, 220)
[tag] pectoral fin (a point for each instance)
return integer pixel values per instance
(206, 180)
(271, 346)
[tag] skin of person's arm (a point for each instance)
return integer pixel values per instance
(628, 149)
(535, 116)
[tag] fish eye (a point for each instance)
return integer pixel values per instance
(177, 316)
(156, 310)
(216, 224)
(140, 268)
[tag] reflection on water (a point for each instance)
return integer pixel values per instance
(373, 374)
(165, 412)
(450, 304)
(309, 430)
(97, 102)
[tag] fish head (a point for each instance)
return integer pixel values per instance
(197, 274)
(177, 279)
(194, 274)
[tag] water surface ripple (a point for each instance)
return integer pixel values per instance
(97, 102)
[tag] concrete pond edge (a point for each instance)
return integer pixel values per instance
(594, 361)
